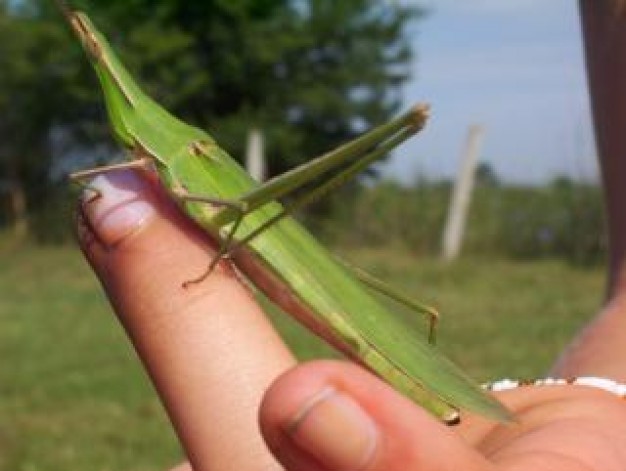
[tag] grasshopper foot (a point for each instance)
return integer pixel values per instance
(90, 193)
(205, 274)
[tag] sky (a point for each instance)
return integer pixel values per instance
(515, 67)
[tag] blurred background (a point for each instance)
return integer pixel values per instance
(493, 215)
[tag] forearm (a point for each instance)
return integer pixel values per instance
(600, 348)
(604, 32)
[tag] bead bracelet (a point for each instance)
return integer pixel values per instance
(606, 384)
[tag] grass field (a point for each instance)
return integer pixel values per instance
(73, 397)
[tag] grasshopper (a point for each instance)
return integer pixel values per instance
(271, 248)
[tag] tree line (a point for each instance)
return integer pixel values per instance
(309, 73)
(563, 219)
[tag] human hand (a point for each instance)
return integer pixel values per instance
(359, 423)
(212, 356)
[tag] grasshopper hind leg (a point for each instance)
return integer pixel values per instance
(381, 287)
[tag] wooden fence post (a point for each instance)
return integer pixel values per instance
(462, 194)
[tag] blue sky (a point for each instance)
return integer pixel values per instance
(514, 66)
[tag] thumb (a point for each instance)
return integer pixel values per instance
(330, 415)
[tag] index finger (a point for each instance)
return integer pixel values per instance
(209, 349)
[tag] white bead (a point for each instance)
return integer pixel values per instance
(589, 381)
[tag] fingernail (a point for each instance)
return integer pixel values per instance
(117, 204)
(333, 428)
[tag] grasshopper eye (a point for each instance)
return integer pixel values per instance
(92, 47)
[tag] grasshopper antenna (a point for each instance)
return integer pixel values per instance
(64, 8)
(70, 15)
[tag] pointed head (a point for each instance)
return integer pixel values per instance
(121, 92)
(138, 122)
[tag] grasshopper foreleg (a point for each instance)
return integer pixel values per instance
(82, 175)
(79, 177)
(239, 207)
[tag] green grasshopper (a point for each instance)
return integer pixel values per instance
(273, 250)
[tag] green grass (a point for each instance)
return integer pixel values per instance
(73, 397)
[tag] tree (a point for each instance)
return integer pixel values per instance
(33, 87)
(309, 73)
(486, 175)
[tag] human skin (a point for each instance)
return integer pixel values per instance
(600, 348)
(238, 401)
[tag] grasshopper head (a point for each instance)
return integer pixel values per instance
(82, 27)
(121, 92)
(136, 119)
(86, 33)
